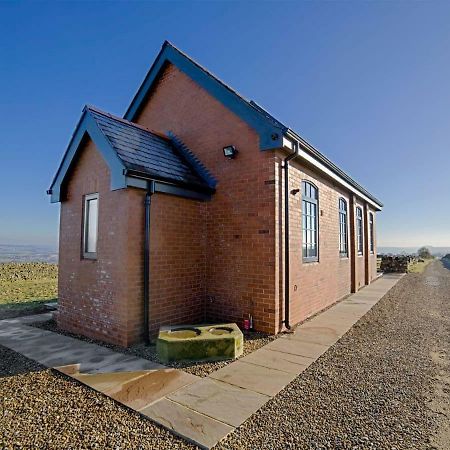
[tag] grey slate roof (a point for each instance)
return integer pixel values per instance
(147, 153)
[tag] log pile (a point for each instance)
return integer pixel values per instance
(398, 264)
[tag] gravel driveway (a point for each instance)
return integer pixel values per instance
(384, 385)
(41, 409)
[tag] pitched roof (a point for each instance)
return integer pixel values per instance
(146, 152)
(271, 131)
(132, 150)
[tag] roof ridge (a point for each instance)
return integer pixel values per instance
(125, 121)
(250, 102)
(210, 74)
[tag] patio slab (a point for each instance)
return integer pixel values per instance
(285, 362)
(255, 378)
(139, 389)
(221, 401)
(295, 346)
(53, 349)
(198, 428)
(314, 336)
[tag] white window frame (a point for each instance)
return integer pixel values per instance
(87, 199)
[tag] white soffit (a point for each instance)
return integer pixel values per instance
(287, 143)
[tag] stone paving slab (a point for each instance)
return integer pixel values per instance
(285, 362)
(53, 349)
(139, 389)
(28, 319)
(127, 363)
(185, 422)
(221, 401)
(294, 346)
(255, 378)
(314, 336)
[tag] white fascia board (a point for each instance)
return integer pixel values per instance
(288, 143)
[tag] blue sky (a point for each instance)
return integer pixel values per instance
(365, 82)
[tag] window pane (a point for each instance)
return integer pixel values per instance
(309, 220)
(92, 218)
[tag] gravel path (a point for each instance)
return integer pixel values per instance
(252, 341)
(377, 387)
(384, 385)
(44, 410)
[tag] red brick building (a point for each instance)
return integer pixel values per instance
(180, 213)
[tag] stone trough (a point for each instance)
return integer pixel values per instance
(199, 343)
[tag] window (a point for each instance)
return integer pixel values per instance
(371, 233)
(90, 226)
(359, 230)
(343, 241)
(309, 221)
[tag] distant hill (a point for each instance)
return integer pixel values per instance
(28, 253)
(435, 251)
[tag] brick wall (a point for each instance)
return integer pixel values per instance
(216, 260)
(315, 285)
(100, 298)
(361, 259)
(240, 222)
(177, 261)
(373, 256)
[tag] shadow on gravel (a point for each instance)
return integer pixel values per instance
(13, 363)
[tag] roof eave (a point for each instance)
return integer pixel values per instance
(187, 185)
(87, 126)
(325, 165)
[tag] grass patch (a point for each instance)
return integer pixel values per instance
(25, 287)
(419, 266)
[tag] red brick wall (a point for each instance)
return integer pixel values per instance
(315, 285)
(177, 261)
(217, 260)
(100, 298)
(361, 259)
(240, 225)
(372, 260)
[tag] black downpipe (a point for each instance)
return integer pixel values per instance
(286, 238)
(148, 203)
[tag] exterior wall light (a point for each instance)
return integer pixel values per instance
(230, 151)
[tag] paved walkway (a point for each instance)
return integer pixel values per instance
(207, 410)
(202, 410)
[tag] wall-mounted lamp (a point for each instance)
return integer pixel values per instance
(230, 151)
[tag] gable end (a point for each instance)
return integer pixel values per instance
(270, 132)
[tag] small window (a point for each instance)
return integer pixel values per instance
(371, 231)
(343, 238)
(359, 230)
(310, 200)
(90, 226)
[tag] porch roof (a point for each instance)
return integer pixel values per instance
(134, 151)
